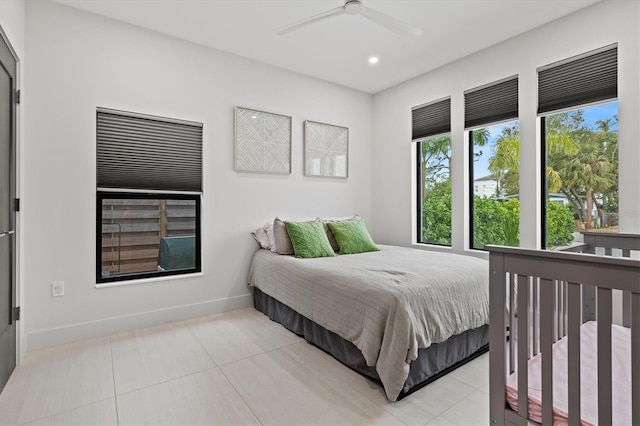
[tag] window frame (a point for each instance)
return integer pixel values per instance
(544, 192)
(132, 195)
(471, 192)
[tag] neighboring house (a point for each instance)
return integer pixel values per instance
(559, 198)
(485, 187)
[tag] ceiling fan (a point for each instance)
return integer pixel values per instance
(355, 7)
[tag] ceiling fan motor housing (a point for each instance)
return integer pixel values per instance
(352, 7)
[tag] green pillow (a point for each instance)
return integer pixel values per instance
(309, 239)
(352, 237)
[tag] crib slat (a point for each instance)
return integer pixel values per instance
(512, 322)
(546, 342)
(574, 316)
(626, 308)
(530, 318)
(556, 307)
(523, 341)
(635, 358)
(565, 308)
(588, 303)
(604, 355)
(536, 298)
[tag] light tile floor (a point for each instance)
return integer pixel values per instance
(233, 368)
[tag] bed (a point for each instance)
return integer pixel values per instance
(552, 317)
(401, 316)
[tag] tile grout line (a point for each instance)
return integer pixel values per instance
(215, 363)
(261, 353)
(60, 412)
(168, 380)
(241, 397)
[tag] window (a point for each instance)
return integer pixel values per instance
(434, 198)
(581, 173)
(495, 175)
(149, 179)
(431, 132)
(577, 102)
(493, 163)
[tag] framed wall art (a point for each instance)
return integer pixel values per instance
(262, 142)
(326, 150)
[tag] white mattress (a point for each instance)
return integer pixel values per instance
(621, 374)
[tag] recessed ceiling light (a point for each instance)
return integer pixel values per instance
(373, 60)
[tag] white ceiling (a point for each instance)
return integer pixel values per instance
(337, 49)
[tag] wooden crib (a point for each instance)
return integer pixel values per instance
(541, 303)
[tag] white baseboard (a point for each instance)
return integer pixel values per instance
(88, 330)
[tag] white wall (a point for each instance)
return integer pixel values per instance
(12, 21)
(78, 61)
(607, 22)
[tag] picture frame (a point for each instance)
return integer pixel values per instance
(326, 150)
(262, 142)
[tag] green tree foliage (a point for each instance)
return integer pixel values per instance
(587, 172)
(436, 215)
(560, 225)
(495, 222)
(582, 162)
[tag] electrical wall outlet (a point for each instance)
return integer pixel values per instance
(57, 289)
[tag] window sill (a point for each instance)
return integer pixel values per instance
(150, 280)
(481, 254)
(431, 247)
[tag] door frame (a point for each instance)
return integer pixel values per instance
(18, 288)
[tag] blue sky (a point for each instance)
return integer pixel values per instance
(591, 115)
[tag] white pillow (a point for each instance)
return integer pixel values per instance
(261, 235)
(272, 242)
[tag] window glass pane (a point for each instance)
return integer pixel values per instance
(581, 173)
(434, 190)
(496, 185)
(147, 236)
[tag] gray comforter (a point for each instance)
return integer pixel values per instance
(388, 303)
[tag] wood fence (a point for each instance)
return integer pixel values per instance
(131, 232)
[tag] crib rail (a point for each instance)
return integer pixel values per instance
(610, 244)
(537, 297)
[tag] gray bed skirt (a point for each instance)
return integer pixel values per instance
(433, 362)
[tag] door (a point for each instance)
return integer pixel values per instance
(7, 213)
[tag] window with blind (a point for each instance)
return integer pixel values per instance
(577, 102)
(149, 188)
(431, 131)
(491, 118)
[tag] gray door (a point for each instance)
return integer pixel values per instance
(7, 213)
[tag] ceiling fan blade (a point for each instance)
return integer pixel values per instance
(390, 23)
(312, 20)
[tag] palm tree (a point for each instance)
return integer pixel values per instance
(604, 126)
(435, 161)
(590, 172)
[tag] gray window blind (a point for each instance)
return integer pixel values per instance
(431, 119)
(491, 103)
(588, 78)
(136, 151)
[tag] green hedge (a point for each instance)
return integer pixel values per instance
(495, 222)
(560, 224)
